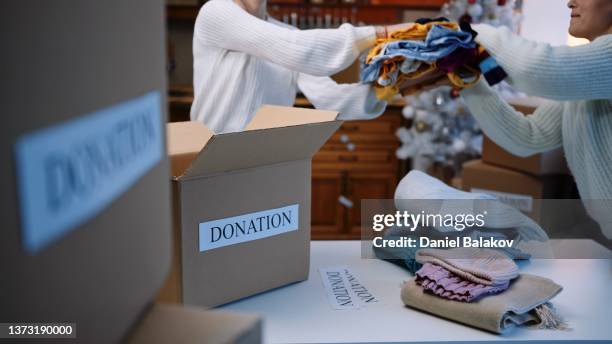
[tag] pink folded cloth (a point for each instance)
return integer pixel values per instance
(439, 281)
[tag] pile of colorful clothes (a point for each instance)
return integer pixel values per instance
(428, 46)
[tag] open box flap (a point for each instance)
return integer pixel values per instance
(185, 141)
(272, 116)
(276, 134)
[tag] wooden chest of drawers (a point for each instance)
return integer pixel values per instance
(358, 162)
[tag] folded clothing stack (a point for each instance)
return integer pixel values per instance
(487, 284)
(525, 302)
(444, 283)
(480, 287)
(478, 265)
(464, 274)
(430, 45)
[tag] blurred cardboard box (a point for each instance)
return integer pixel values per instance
(182, 324)
(551, 162)
(86, 204)
(480, 175)
(242, 204)
(527, 193)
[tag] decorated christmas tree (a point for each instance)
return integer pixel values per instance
(493, 12)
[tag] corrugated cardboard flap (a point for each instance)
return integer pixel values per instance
(275, 134)
(185, 141)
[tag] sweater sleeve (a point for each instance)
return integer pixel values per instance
(352, 101)
(519, 134)
(559, 73)
(321, 52)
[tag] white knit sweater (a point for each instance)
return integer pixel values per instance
(578, 80)
(242, 62)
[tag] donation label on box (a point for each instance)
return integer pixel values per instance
(248, 227)
(70, 172)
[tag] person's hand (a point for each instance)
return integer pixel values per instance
(425, 82)
(384, 31)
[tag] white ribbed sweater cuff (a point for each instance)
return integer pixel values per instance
(365, 37)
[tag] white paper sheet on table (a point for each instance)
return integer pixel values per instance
(344, 289)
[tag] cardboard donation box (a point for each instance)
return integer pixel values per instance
(86, 212)
(86, 202)
(551, 162)
(520, 190)
(479, 176)
(242, 204)
(183, 324)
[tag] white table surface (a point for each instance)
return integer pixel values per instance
(300, 313)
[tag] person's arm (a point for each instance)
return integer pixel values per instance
(352, 101)
(519, 134)
(319, 52)
(559, 73)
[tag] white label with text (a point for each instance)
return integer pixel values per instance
(248, 227)
(521, 202)
(344, 290)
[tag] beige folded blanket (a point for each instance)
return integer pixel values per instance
(524, 302)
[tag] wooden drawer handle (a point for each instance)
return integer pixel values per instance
(347, 158)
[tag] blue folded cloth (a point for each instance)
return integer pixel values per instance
(440, 42)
